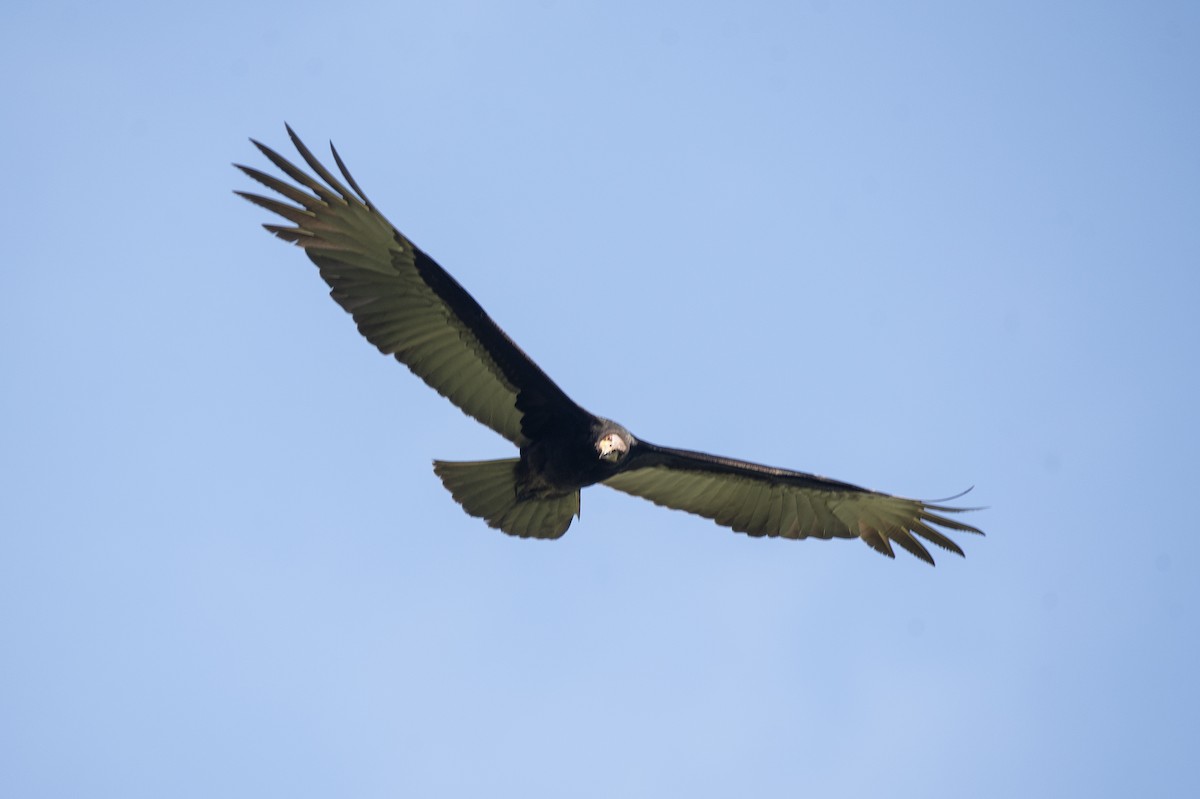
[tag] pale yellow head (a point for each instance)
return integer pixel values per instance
(611, 447)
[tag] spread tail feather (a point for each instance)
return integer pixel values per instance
(488, 489)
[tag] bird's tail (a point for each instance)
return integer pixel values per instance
(488, 489)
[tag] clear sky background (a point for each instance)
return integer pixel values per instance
(917, 247)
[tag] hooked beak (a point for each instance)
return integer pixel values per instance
(611, 448)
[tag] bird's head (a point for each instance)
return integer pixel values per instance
(612, 444)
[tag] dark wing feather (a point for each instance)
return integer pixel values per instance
(762, 500)
(407, 305)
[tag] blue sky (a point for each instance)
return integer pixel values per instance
(915, 247)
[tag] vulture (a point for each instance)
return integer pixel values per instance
(408, 306)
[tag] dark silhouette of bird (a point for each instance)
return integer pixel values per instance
(409, 307)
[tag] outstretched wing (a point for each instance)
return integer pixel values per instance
(407, 305)
(762, 500)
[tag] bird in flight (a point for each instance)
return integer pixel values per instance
(408, 306)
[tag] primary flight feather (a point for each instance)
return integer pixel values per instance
(409, 307)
